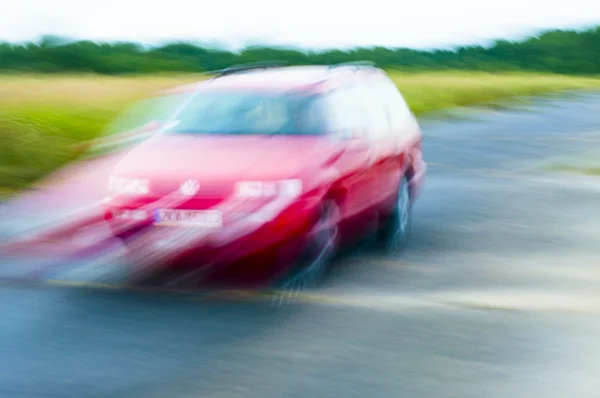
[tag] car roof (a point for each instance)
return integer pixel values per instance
(289, 78)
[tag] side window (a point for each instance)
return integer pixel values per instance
(378, 123)
(344, 114)
(398, 110)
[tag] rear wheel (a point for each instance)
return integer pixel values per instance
(394, 233)
(313, 265)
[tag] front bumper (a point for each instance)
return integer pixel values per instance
(278, 227)
(417, 180)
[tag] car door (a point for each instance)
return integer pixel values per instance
(384, 168)
(348, 125)
(405, 133)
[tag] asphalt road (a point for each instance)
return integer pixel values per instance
(497, 295)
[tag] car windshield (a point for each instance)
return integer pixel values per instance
(249, 113)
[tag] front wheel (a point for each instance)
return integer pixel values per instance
(323, 242)
(394, 232)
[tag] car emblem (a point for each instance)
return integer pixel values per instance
(189, 188)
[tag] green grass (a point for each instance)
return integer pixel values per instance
(592, 169)
(586, 162)
(44, 117)
(434, 91)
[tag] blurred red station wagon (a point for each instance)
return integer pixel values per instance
(271, 168)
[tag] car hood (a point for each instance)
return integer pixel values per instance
(177, 158)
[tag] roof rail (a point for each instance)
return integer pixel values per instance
(250, 66)
(357, 64)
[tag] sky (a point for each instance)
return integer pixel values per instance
(303, 23)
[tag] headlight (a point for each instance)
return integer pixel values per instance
(255, 189)
(125, 214)
(290, 187)
(130, 186)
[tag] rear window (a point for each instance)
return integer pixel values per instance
(249, 113)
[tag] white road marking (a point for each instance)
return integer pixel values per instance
(522, 300)
(516, 300)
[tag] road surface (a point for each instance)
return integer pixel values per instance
(497, 295)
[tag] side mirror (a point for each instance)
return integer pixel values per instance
(356, 135)
(150, 126)
(156, 125)
(351, 135)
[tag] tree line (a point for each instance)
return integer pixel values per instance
(555, 51)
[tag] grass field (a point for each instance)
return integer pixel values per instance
(583, 163)
(44, 117)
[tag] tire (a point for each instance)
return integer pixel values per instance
(314, 264)
(394, 232)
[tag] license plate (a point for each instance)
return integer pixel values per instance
(200, 218)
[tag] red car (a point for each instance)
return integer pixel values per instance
(268, 169)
